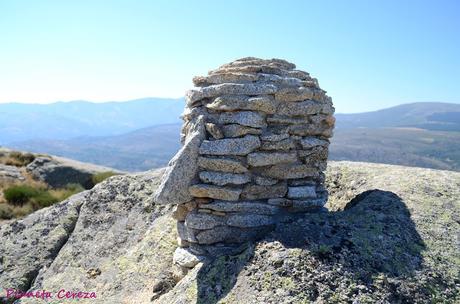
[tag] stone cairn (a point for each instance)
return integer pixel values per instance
(255, 145)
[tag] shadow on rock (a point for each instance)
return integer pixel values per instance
(371, 241)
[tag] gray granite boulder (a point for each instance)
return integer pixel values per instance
(230, 146)
(182, 169)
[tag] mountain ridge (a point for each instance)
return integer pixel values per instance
(66, 120)
(153, 146)
(416, 115)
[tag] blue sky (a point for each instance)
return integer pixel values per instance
(367, 54)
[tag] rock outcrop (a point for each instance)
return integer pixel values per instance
(111, 235)
(395, 242)
(59, 172)
(257, 158)
(10, 174)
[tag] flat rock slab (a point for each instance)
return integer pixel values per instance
(214, 130)
(294, 94)
(310, 130)
(183, 257)
(256, 192)
(302, 192)
(244, 118)
(203, 221)
(290, 171)
(231, 235)
(235, 130)
(306, 205)
(311, 142)
(303, 108)
(273, 137)
(258, 159)
(120, 244)
(32, 243)
(281, 81)
(224, 78)
(266, 104)
(182, 169)
(230, 146)
(222, 164)
(242, 207)
(254, 61)
(229, 89)
(250, 220)
(283, 145)
(264, 181)
(286, 120)
(217, 192)
(222, 179)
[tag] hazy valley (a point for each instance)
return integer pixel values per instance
(123, 136)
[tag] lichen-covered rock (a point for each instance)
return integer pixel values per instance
(222, 164)
(228, 89)
(266, 104)
(203, 221)
(244, 118)
(282, 145)
(243, 207)
(112, 240)
(302, 192)
(185, 258)
(390, 241)
(214, 130)
(250, 220)
(258, 159)
(310, 142)
(257, 192)
(222, 179)
(217, 192)
(230, 146)
(32, 243)
(290, 171)
(235, 130)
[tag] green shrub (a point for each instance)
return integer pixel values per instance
(23, 210)
(323, 250)
(43, 199)
(74, 187)
(6, 212)
(24, 199)
(18, 195)
(99, 177)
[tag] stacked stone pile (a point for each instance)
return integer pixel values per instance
(255, 144)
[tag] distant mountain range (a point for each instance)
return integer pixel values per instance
(138, 150)
(424, 115)
(417, 134)
(67, 120)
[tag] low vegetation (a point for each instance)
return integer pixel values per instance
(24, 198)
(100, 177)
(21, 197)
(15, 158)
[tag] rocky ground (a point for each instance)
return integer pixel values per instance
(392, 238)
